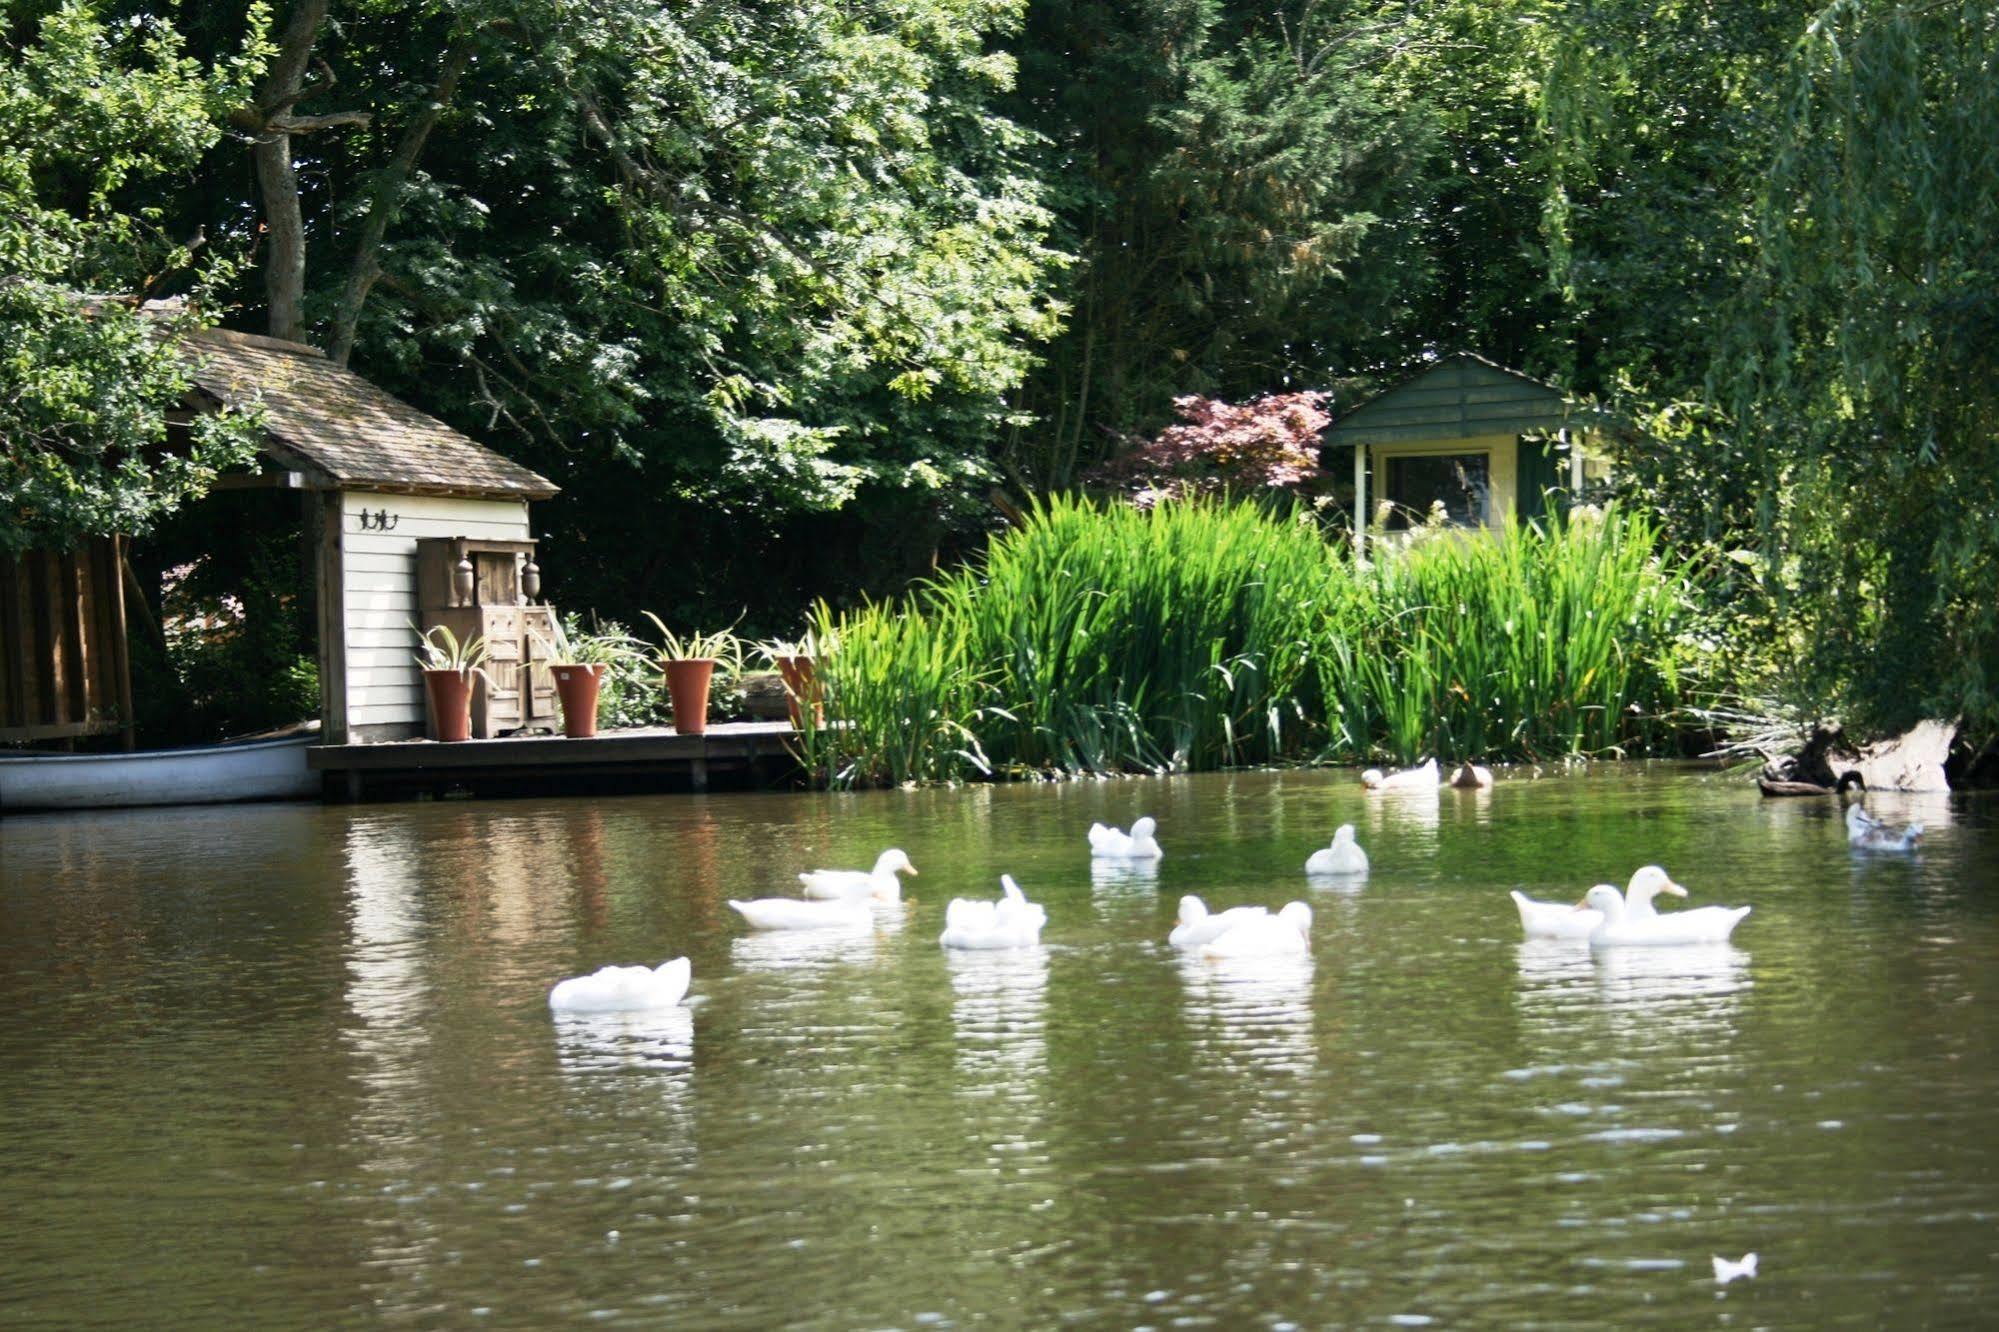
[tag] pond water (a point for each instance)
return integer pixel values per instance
(293, 1066)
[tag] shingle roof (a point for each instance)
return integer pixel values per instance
(345, 427)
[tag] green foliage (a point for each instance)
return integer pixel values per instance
(1220, 170)
(574, 645)
(1205, 633)
(1861, 364)
(901, 693)
(438, 649)
(631, 694)
(238, 654)
(94, 119)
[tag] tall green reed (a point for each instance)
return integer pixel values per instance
(1206, 632)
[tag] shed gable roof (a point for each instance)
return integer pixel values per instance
(347, 429)
(1457, 397)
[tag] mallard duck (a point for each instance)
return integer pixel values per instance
(1116, 844)
(1560, 920)
(1011, 922)
(1472, 777)
(788, 913)
(1619, 929)
(1868, 833)
(882, 883)
(1287, 932)
(1419, 778)
(1847, 781)
(1198, 926)
(623, 989)
(1344, 856)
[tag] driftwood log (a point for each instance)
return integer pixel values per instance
(1912, 761)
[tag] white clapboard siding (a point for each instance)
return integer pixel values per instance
(378, 592)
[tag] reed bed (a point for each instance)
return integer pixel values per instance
(1206, 633)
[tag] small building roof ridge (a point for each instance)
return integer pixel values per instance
(231, 337)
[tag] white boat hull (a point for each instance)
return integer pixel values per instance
(205, 775)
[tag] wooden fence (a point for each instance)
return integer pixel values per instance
(64, 666)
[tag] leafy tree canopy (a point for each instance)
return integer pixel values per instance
(97, 121)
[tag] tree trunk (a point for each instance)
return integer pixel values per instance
(277, 179)
(284, 237)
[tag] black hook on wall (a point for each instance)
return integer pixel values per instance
(381, 520)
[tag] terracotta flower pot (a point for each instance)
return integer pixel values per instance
(687, 682)
(799, 689)
(450, 704)
(577, 686)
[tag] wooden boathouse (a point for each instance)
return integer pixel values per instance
(406, 521)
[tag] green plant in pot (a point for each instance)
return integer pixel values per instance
(795, 662)
(578, 663)
(692, 664)
(448, 667)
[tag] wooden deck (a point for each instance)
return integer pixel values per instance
(656, 758)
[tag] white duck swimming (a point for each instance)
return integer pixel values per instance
(1344, 856)
(623, 989)
(1560, 920)
(1420, 778)
(1727, 1269)
(1620, 930)
(1868, 833)
(1285, 934)
(1198, 926)
(788, 913)
(881, 883)
(1011, 922)
(1116, 844)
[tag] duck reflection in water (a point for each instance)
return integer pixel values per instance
(1645, 995)
(999, 1009)
(812, 950)
(1112, 876)
(1253, 1010)
(653, 1038)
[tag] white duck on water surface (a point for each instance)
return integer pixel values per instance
(1199, 927)
(1285, 934)
(788, 913)
(1561, 920)
(1344, 856)
(623, 989)
(1423, 777)
(1011, 922)
(883, 883)
(1116, 844)
(1619, 929)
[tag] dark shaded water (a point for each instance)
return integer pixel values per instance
(292, 1066)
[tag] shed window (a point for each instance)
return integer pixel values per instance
(1461, 482)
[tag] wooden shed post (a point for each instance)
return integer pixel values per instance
(112, 576)
(324, 537)
(1359, 502)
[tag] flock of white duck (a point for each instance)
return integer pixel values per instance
(836, 899)
(846, 899)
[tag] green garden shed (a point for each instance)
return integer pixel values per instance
(1485, 443)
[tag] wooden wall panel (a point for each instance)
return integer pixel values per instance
(64, 669)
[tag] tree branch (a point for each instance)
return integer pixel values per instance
(386, 204)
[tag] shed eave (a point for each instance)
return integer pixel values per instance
(443, 490)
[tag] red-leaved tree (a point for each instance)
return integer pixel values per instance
(1269, 443)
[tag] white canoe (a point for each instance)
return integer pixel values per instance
(199, 775)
